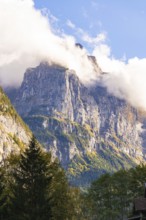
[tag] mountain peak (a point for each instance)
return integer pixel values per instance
(86, 128)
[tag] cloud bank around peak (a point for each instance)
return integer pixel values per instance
(27, 38)
(125, 79)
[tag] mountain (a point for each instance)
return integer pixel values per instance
(14, 134)
(89, 130)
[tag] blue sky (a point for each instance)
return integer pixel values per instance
(123, 22)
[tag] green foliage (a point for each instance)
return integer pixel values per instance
(61, 199)
(6, 183)
(33, 186)
(6, 108)
(4, 197)
(111, 196)
(32, 179)
(137, 180)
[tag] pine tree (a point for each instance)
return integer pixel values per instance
(35, 187)
(60, 195)
(2, 197)
(32, 180)
(5, 194)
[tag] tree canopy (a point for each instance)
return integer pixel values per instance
(36, 188)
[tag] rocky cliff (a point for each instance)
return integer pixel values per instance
(14, 134)
(89, 130)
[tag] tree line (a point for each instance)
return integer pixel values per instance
(35, 187)
(111, 196)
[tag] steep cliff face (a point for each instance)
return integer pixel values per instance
(14, 134)
(86, 128)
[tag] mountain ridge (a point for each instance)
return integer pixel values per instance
(89, 130)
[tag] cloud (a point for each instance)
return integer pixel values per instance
(126, 80)
(84, 36)
(94, 40)
(27, 38)
(70, 24)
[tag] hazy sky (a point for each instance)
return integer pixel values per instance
(123, 22)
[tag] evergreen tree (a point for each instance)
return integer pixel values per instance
(110, 196)
(34, 187)
(5, 193)
(32, 180)
(121, 194)
(2, 196)
(62, 203)
(137, 180)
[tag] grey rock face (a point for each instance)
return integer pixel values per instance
(80, 125)
(52, 90)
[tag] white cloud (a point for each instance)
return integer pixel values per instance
(70, 24)
(94, 40)
(126, 80)
(46, 13)
(27, 38)
(84, 36)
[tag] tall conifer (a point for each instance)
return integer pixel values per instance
(32, 179)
